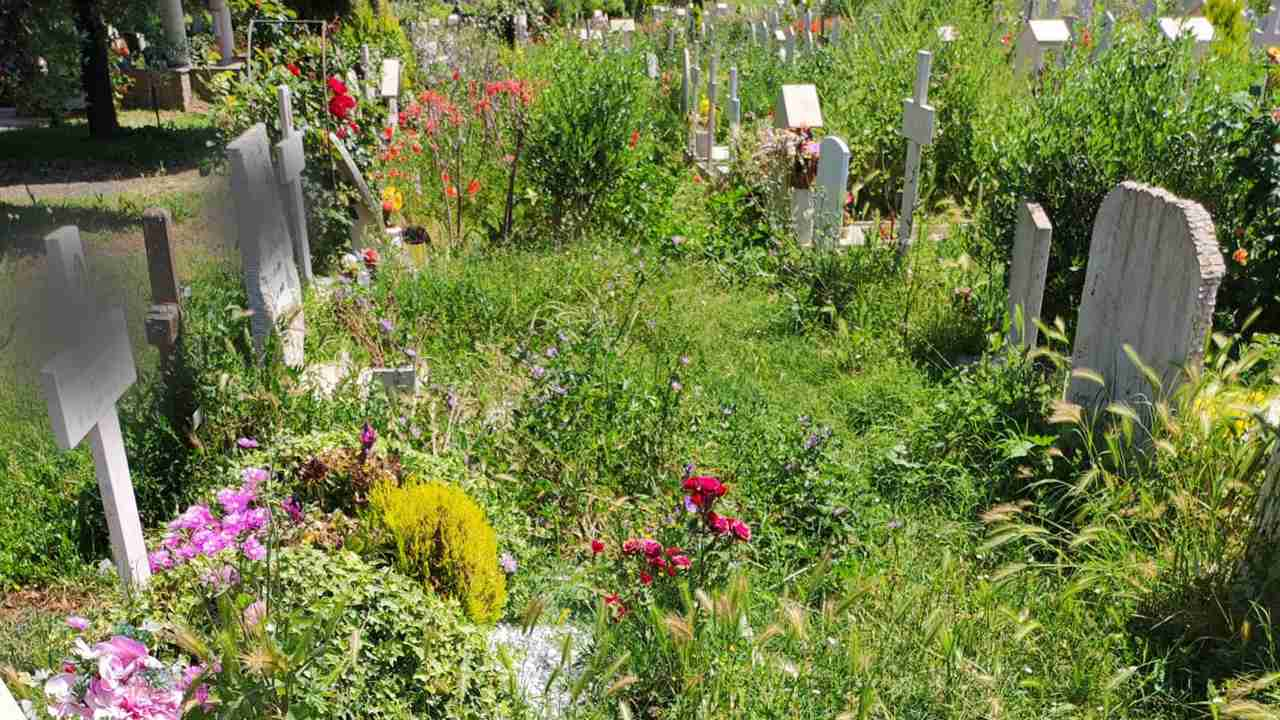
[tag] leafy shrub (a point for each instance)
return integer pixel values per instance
(582, 127)
(338, 638)
(1134, 112)
(441, 534)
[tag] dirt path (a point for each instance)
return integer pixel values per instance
(46, 191)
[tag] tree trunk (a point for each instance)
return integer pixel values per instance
(95, 70)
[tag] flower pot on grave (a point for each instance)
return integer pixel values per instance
(415, 239)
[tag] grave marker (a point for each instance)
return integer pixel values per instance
(1027, 274)
(366, 72)
(1151, 284)
(1200, 30)
(368, 211)
(797, 107)
(735, 103)
(918, 129)
(1268, 35)
(651, 65)
(833, 179)
(1037, 38)
(291, 161)
(521, 27)
(389, 89)
(270, 278)
(89, 373)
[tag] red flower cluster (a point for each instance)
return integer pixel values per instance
(657, 558)
(703, 491)
(294, 70)
(517, 89)
(341, 104)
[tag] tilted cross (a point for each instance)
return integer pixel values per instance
(91, 370)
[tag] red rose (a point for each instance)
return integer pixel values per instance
(295, 70)
(337, 86)
(645, 578)
(341, 105)
(597, 547)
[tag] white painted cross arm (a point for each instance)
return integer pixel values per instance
(918, 128)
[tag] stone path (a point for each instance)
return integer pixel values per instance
(21, 194)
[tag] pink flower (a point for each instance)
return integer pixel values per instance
(254, 614)
(681, 561)
(293, 509)
(247, 443)
(368, 436)
(651, 548)
(253, 549)
(234, 501)
(252, 478)
(645, 578)
(631, 546)
(77, 623)
(740, 529)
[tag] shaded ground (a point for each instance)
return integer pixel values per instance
(143, 148)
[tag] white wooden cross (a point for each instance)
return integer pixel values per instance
(1269, 34)
(366, 66)
(290, 162)
(713, 69)
(918, 129)
(91, 370)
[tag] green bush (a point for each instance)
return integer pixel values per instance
(578, 148)
(375, 644)
(1140, 111)
(442, 535)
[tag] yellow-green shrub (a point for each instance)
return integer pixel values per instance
(442, 535)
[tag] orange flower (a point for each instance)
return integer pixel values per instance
(451, 191)
(635, 138)
(473, 187)
(1241, 257)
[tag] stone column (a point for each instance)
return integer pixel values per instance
(175, 32)
(223, 30)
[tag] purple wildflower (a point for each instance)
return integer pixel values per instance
(247, 443)
(508, 563)
(77, 623)
(538, 372)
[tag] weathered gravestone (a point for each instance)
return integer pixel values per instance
(223, 30)
(522, 27)
(90, 370)
(918, 128)
(291, 160)
(833, 178)
(1268, 34)
(1199, 29)
(368, 211)
(1151, 284)
(1037, 38)
(1027, 274)
(686, 83)
(266, 253)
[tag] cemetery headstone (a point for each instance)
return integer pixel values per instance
(291, 161)
(833, 179)
(918, 128)
(797, 107)
(522, 27)
(1268, 35)
(1198, 28)
(1151, 285)
(651, 66)
(82, 382)
(1027, 274)
(792, 45)
(1037, 38)
(270, 278)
